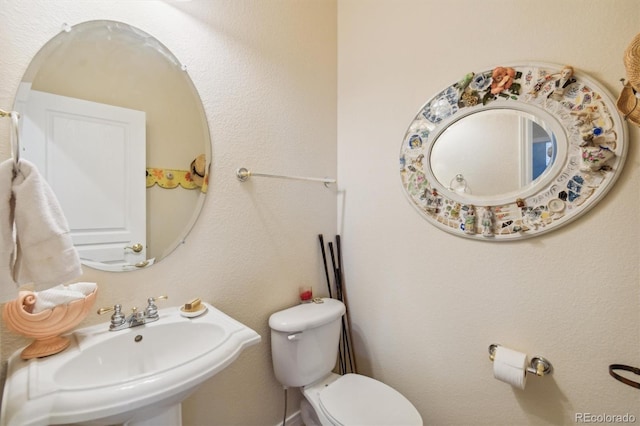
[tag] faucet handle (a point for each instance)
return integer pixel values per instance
(117, 319)
(151, 310)
(105, 310)
(117, 308)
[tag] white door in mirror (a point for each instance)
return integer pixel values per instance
(93, 157)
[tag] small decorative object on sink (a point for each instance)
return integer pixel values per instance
(193, 308)
(138, 376)
(47, 314)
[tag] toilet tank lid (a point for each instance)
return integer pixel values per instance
(307, 315)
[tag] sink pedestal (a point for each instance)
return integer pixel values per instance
(169, 416)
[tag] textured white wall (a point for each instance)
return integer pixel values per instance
(266, 71)
(425, 304)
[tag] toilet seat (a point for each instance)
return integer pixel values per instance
(359, 400)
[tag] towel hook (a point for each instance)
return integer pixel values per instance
(15, 140)
(15, 137)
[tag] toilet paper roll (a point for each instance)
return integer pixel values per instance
(510, 367)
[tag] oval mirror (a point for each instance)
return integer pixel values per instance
(112, 120)
(512, 152)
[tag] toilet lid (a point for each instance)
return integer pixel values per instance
(359, 400)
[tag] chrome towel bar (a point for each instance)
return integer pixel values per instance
(243, 174)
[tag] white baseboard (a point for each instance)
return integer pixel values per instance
(294, 419)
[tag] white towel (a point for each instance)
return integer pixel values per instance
(61, 295)
(8, 288)
(45, 255)
(83, 287)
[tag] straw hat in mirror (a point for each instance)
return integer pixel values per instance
(198, 169)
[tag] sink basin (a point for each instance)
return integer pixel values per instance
(125, 356)
(137, 376)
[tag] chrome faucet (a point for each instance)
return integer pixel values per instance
(119, 321)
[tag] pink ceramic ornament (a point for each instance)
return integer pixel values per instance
(47, 326)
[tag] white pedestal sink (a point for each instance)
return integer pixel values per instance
(138, 376)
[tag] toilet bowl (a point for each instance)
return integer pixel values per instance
(354, 399)
(304, 347)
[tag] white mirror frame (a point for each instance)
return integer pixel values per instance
(591, 141)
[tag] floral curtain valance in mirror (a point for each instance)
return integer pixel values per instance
(512, 152)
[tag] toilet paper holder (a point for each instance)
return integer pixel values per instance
(538, 365)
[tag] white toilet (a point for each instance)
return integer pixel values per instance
(304, 346)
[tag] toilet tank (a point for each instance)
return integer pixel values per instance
(304, 341)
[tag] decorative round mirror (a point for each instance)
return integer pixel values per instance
(112, 120)
(512, 152)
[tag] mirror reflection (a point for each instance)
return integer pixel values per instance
(492, 152)
(114, 123)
